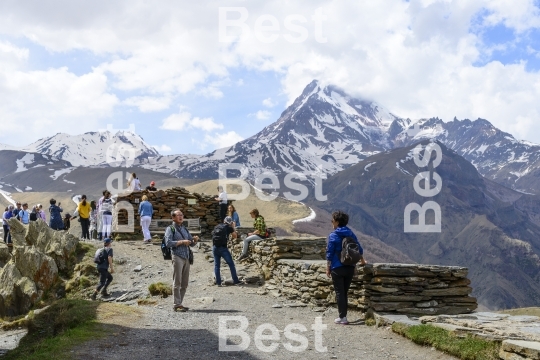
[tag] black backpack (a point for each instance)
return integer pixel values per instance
(220, 236)
(166, 251)
(101, 256)
(33, 216)
(350, 253)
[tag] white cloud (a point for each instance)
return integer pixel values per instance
(262, 115)
(44, 102)
(222, 140)
(417, 58)
(148, 103)
(162, 148)
(184, 121)
(268, 103)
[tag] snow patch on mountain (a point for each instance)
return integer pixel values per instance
(27, 159)
(58, 173)
(368, 165)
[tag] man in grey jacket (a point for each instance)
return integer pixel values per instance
(179, 241)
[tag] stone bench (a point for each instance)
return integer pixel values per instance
(158, 226)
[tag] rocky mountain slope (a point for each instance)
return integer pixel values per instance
(497, 155)
(492, 230)
(323, 131)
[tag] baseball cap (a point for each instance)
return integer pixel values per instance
(228, 220)
(107, 240)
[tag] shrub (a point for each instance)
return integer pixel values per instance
(160, 289)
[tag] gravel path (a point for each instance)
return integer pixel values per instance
(160, 333)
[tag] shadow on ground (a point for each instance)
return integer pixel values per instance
(133, 344)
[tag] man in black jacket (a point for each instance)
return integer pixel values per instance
(220, 237)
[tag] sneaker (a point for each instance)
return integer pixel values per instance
(93, 296)
(104, 293)
(342, 321)
(180, 308)
(238, 283)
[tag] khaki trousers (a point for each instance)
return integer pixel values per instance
(180, 278)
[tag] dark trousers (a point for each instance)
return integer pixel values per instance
(7, 235)
(105, 278)
(85, 226)
(342, 278)
(222, 252)
(223, 211)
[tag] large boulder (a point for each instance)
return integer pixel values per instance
(59, 245)
(17, 293)
(39, 253)
(4, 254)
(37, 266)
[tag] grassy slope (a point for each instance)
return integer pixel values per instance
(277, 213)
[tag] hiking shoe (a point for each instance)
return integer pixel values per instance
(342, 321)
(242, 257)
(180, 308)
(238, 283)
(93, 296)
(104, 293)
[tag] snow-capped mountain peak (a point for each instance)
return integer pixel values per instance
(90, 149)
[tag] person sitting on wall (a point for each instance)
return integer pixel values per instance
(258, 234)
(152, 186)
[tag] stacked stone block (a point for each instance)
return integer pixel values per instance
(193, 205)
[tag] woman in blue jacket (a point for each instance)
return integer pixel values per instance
(145, 212)
(342, 275)
(55, 221)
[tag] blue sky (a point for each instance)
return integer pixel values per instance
(77, 69)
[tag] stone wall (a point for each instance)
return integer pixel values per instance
(38, 255)
(265, 253)
(295, 269)
(193, 205)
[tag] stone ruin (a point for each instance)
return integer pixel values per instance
(33, 265)
(193, 205)
(295, 268)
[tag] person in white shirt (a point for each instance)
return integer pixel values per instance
(107, 207)
(223, 203)
(134, 184)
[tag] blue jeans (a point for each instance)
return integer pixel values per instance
(105, 279)
(247, 240)
(222, 252)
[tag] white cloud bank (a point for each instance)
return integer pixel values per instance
(418, 58)
(184, 121)
(222, 140)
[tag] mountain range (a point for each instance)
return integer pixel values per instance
(323, 131)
